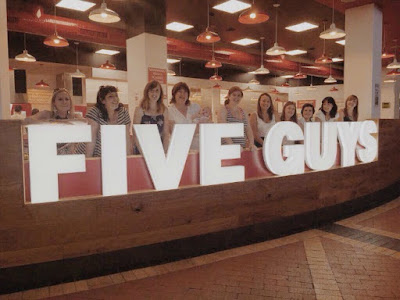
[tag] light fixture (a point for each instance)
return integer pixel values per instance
(254, 81)
(389, 81)
(245, 42)
(333, 32)
(262, 70)
(248, 89)
(287, 76)
(341, 42)
(253, 15)
(42, 84)
(213, 63)
(216, 77)
(55, 40)
(178, 27)
(232, 6)
(394, 64)
(77, 73)
(301, 27)
(311, 87)
(273, 91)
(25, 56)
(295, 52)
(323, 59)
(300, 75)
(172, 60)
(217, 86)
(384, 53)
(107, 52)
(334, 89)
(285, 84)
(171, 73)
(337, 59)
(104, 14)
(330, 79)
(78, 5)
(276, 49)
(395, 72)
(208, 36)
(107, 65)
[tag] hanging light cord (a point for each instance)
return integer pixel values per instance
(77, 60)
(333, 12)
(24, 41)
(213, 57)
(208, 14)
(262, 51)
(55, 21)
(324, 39)
(276, 26)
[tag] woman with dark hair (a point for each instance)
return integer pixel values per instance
(262, 120)
(107, 111)
(233, 113)
(289, 112)
(152, 110)
(182, 111)
(307, 113)
(350, 111)
(328, 111)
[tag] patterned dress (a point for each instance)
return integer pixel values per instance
(231, 119)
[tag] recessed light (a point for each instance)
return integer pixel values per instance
(107, 52)
(337, 59)
(341, 42)
(79, 5)
(287, 76)
(179, 27)
(301, 27)
(245, 42)
(295, 52)
(172, 60)
(232, 6)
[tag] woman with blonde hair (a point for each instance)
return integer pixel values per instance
(350, 111)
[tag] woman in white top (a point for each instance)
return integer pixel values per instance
(307, 113)
(328, 111)
(263, 120)
(180, 111)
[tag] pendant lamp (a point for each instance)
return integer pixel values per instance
(384, 53)
(25, 56)
(300, 75)
(248, 89)
(213, 63)
(217, 86)
(323, 59)
(276, 49)
(254, 81)
(285, 84)
(171, 73)
(311, 87)
(274, 91)
(216, 77)
(262, 70)
(253, 15)
(78, 73)
(55, 40)
(208, 36)
(107, 65)
(334, 89)
(394, 64)
(330, 79)
(104, 14)
(42, 84)
(395, 72)
(332, 33)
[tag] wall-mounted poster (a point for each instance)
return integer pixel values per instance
(300, 103)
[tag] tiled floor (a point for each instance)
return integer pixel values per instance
(356, 258)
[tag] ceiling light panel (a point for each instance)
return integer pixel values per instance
(172, 60)
(224, 52)
(341, 42)
(232, 6)
(78, 5)
(178, 27)
(245, 42)
(301, 27)
(296, 52)
(287, 76)
(107, 52)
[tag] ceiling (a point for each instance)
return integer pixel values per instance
(290, 12)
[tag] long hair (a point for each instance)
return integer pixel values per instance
(270, 110)
(101, 95)
(231, 91)
(71, 113)
(355, 110)
(176, 88)
(333, 111)
(145, 103)
(307, 105)
(292, 118)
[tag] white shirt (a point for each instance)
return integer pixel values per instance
(264, 127)
(320, 115)
(178, 118)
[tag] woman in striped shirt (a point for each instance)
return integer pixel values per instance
(107, 111)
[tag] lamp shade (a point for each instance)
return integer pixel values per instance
(394, 64)
(276, 50)
(254, 81)
(171, 73)
(300, 75)
(78, 74)
(25, 56)
(261, 71)
(323, 60)
(104, 15)
(311, 87)
(334, 89)
(330, 79)
(55, 40)
(274, 91)
(208, 36)
(212, 64)
(216, 77)
(332, 33)
(253, 16)
(285, 84)
(216, 86)
(387, 55)
(108, 65)
(395, 72)
(42, 84)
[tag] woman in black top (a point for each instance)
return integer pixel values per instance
(350, 111)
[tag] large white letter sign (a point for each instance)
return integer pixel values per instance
(113, 160)
(368, 141)
(348, 136)
(45, 164)
(212, 152)
(294, 164)
(166, 172)
(317, 158)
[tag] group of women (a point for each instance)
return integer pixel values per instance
(151, 110)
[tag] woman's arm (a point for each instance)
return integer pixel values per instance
(137, 118)
(166, 131)
(341, 116)
(129, 147)
(253, 124)
(91, 145)
(250, 136)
